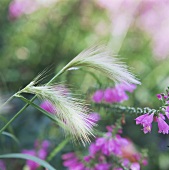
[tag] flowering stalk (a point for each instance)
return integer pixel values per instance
(156, 115)
(126, 109)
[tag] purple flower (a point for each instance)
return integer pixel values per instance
(135, 166)
(31, 164)
(125, 162)
(48, 106)
(68, 155)
(87, 158)
(144, 162)
(98, 96)
(115, 95)
(109, 95)
(2, 165)
(127, 87)
(146, 120)
(162, 125)
(159, 96)
(19, 7)
(72, 162)
(41, 153)
(94, 117)
(45, 144)
(93, 149)
(141, 118)
(102, 166)
(78, 166)
(100, 141)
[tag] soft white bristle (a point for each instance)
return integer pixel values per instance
(72, 112)
(101, 59)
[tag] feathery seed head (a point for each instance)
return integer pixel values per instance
(101, 59)
(72, 112)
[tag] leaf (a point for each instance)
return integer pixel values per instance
(28, 157)
(11, 136)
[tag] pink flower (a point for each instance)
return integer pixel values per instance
(87, 158)
(98, 96)
(48, 106)
(93, 149)
(146, 120)
(2, 165)
(20, 7)
(141, 118)
(159, 96)
(41, 153)
(94, 117)
(31, 164)
(144, 162)
(68, 155)
(162, 125)
(109, 95)
(102, 166)
(72, 161)
(135, 166)
(128, 87)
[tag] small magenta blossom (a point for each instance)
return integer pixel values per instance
(129, 87)
(109, 95)
(116, 94)
(29, 163)
(19, 7)
(48, 106)
(72, 162)
(102, 166)
(162, 125)
(68, 155)
(2, 165)
(98, 96)
(146, 120)
(101, 152)
(40, 150)
(93, 149)
(94, 117)
(135, 166)
(159, 96)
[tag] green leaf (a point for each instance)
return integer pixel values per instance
(28, 157)
(11, 136)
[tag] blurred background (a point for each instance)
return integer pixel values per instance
(39, 34)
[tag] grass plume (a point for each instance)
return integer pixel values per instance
(101, 59)
(72, 112)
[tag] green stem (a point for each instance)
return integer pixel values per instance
(50, 116)
(57, 149)
(13, 118)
